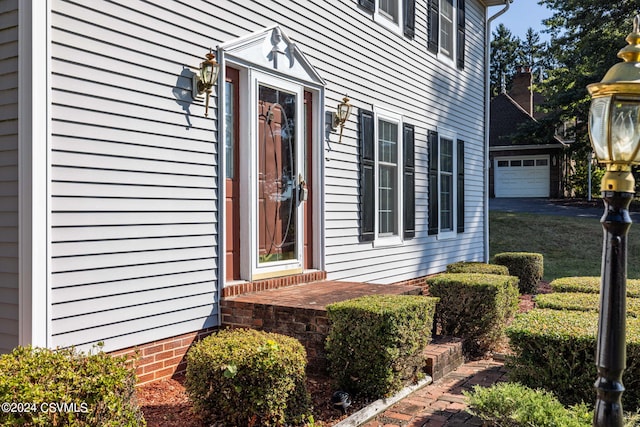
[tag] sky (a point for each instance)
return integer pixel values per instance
(522, 14)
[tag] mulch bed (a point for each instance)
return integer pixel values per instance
(165, 403)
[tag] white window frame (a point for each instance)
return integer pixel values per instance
(448, 234)
(385, 239)
(384, 19)
(454, 30)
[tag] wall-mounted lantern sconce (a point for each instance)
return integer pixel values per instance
(343, 111)
(204, 81)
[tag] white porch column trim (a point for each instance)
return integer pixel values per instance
(33, 171)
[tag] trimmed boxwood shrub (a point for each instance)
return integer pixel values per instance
(581, 302)
(477, 267)
(246, 377)
(590, 284)
(526, 266)
(512, 404)
(474, 307)
(555, 350)
(375, 343)
(94, 389)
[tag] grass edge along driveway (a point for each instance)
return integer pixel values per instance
(570, 246)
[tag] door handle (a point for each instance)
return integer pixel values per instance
(303, 191)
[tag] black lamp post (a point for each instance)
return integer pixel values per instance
(614, 128)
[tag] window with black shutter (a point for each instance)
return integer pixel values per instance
(399, 15)
(367, 177)
(461, 39)
(446, 30)
(409, 203)
(460, 183)
(409, 8)
(433, 145)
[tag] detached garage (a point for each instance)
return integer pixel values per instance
(526, 176)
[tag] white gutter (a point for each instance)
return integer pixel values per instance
(487, 118)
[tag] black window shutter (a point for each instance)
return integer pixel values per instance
(367, 164)
(409, 18)
(433, 25)
(460, 195)
(433, 142)
(369, 5)
(408, 143)
(460, 41)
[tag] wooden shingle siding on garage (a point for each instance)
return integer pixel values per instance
(8, 175)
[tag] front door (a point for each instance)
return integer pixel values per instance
(278, 180)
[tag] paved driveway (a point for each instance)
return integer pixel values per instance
(562, 207)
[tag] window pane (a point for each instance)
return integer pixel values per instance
(387, 142)
(387, 177)
(516, 163)
(446, 27)
(503, 163)
(542, 162)
(446, 202)
(387, 186)
(446, 155)
(389, 8)
(446, 184)
(228, 137)
(528, 163)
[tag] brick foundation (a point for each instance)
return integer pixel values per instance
(164, 358)
(309, 324)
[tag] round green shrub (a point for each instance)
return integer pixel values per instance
(477, 267)
(246, 377)
(526, 266)
(86, 390)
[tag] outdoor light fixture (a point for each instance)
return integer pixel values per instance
(343, 111)
(204, 81)
(614, 129)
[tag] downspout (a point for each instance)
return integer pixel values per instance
(487, 118)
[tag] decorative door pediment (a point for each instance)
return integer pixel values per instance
(272, 49)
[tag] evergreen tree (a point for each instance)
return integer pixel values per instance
(504, 58)
(586, 35)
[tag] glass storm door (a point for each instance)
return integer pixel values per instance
(279, 220)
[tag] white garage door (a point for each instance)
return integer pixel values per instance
(526, 176)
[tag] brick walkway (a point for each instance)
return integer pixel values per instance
(441, 404)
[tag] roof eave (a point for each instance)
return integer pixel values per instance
(495, 2)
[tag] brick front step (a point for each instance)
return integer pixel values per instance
(444, 355)
(300, 311)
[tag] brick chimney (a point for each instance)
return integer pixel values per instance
(521, 89)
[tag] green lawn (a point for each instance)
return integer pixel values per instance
(571, 246)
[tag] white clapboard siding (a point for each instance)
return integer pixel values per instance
(134, 199)
(431, 96)
(8, 175)
(61, 295)
(139, 329)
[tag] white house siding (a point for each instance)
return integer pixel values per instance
(134, 202)
(134, 164)
(406, 79)
(380, 68)
(8, 175)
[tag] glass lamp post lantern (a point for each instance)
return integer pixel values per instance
(614, 129)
